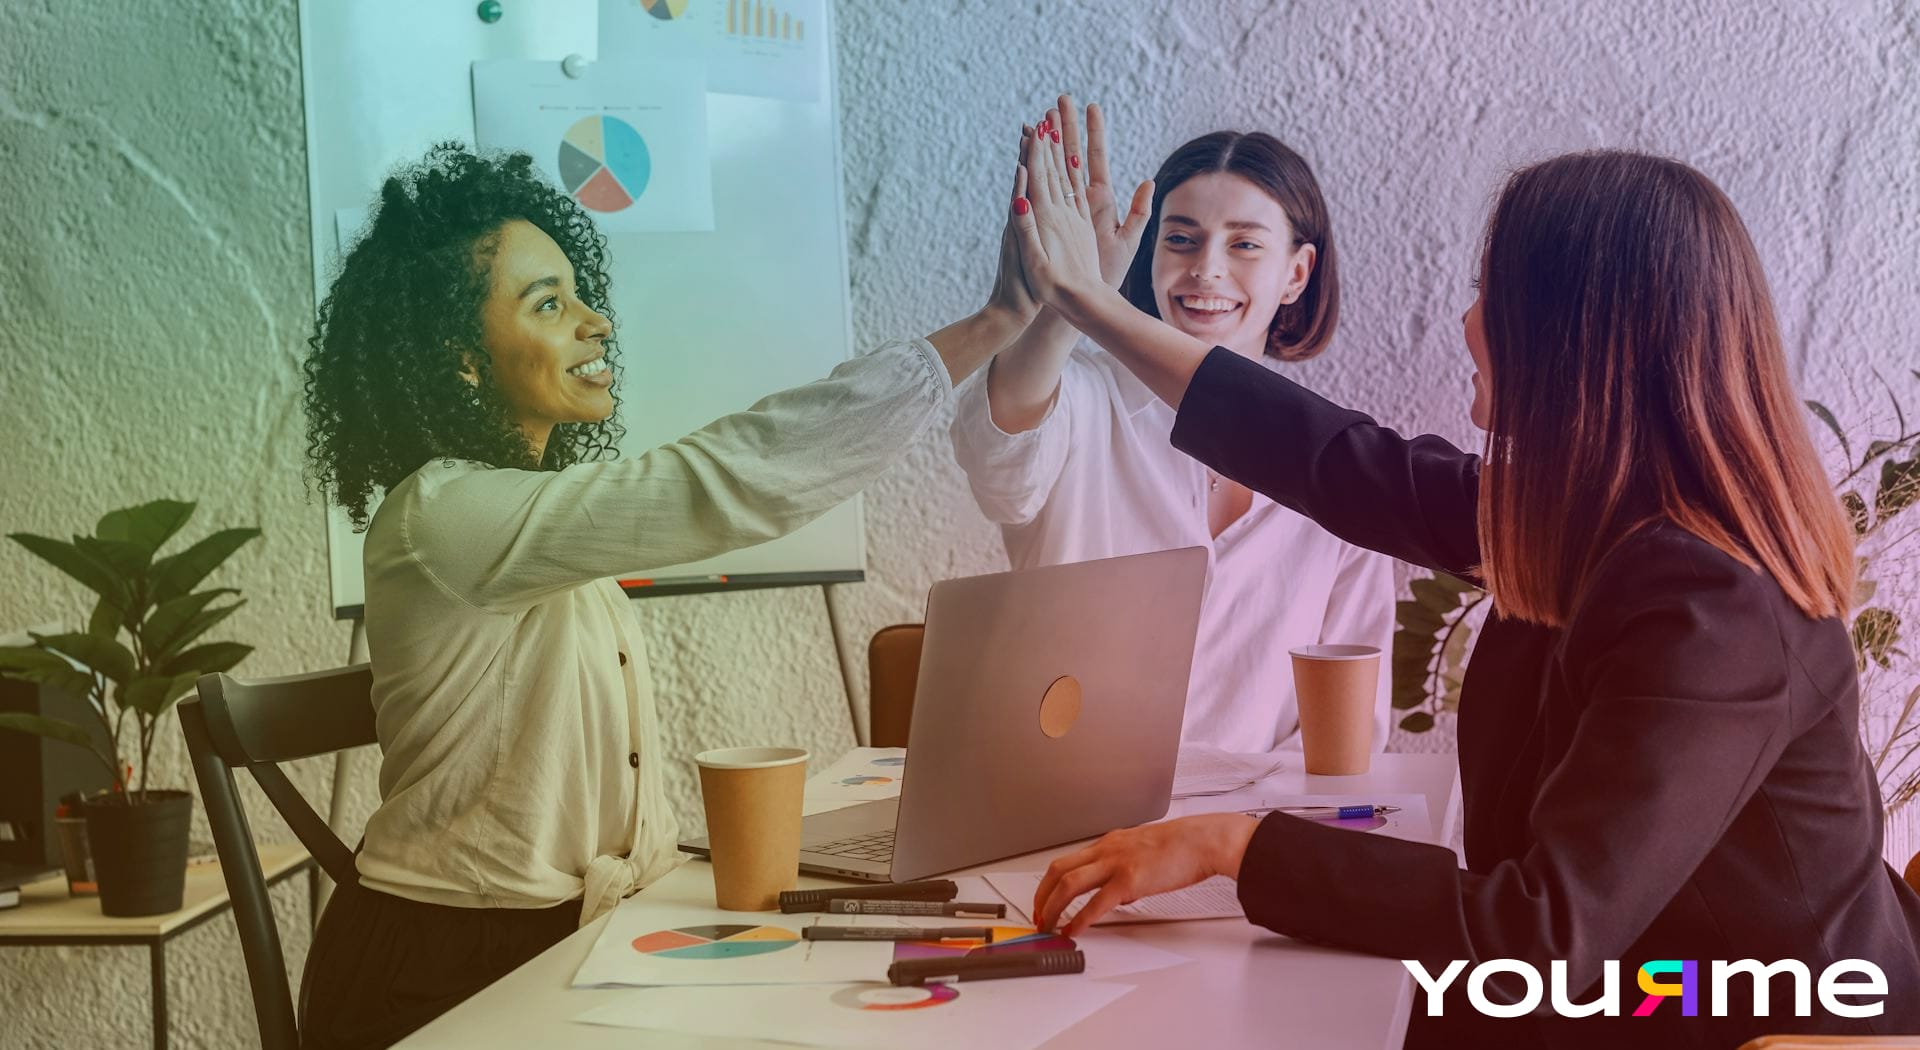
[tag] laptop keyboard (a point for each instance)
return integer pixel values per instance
(875, 846)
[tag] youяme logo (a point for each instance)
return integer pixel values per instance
(1662, 980)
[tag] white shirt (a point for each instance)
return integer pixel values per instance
(521, 763)
(1098, 478)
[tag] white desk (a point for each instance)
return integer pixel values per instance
(1242, 985)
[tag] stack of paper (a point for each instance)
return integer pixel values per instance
(1210, 771)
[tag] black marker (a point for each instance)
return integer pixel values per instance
(988, 967)
(950, 910)
(816, 900)
(897, 933)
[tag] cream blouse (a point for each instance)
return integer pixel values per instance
(521, 763)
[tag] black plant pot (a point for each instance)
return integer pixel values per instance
(139, 851)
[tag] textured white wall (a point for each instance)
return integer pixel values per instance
(154, 287)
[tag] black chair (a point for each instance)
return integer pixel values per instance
(252, 725)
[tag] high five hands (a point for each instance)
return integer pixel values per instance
(1069, 189)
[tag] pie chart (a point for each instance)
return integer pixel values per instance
(604, 163)
(665, 10)
(886, 997)
(729, 941)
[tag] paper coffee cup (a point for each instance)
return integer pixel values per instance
(752, 798)
(1335, 687)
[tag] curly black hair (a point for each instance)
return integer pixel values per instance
(384, 387)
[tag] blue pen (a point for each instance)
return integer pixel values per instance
(1328, 812)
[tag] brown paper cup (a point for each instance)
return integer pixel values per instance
(1335, 686)
(752, 797)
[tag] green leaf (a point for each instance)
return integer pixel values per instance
(30, 664)
(1876, 449)
(1856, 512)
(177, 574)
(206, 659)
(1899, 487)
(200, 624)
(152, 696)
(1450, 692)
(147, 526)
(1417, 618)
(1875, 631)
(1455, 584)
(106, 620)
(1435, 596)
(172, 616)
(29, 658)
(1417, 722)
(1454, 656)
(105, 655)
(1833, 424)
(51, 728)
(126, 561)
(69, 559)
(1863, 591)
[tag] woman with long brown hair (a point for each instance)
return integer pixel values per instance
(1658, 744)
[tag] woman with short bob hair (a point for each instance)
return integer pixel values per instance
(1067, 451)
(1658, 732)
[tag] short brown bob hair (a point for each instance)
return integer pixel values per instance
(1637, 375)
(1300, 329)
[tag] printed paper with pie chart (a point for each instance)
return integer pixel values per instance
(627, 141)
(683, 944)
(764, 48)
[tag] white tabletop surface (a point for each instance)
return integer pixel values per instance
(1242, 985)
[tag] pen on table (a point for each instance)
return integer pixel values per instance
(1327, 812)
(816, 900)
(987, 967)
(950, 909)
(897, 933)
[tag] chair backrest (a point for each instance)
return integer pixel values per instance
(253, 725)
(893, 670)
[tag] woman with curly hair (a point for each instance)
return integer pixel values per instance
(463, 371)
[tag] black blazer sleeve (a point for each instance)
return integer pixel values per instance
(1679, 680)
(1412, 499)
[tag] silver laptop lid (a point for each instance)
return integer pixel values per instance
(1048, 707)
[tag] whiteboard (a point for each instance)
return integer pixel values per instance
(709, 322)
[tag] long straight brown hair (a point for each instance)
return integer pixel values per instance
(1638, 375)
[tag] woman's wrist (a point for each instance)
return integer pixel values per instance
(1230, 845)
(1088, 305)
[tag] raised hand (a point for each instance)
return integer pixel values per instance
(1118, 236)
(1059, 252)
(1010, 294)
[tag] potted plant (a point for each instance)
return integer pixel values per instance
(137, 656)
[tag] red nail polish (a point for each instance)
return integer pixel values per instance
(1020, 206)
(1056, 136)
(1073, 161)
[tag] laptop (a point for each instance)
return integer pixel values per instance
(1048, 709)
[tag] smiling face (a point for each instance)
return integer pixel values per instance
(546, 347)
(1225, 261)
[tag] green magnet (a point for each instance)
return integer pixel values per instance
(489, 11)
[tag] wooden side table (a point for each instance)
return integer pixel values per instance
(48, 915)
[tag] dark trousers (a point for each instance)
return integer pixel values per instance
(382, 966)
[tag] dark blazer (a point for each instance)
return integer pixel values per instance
(1676, 774)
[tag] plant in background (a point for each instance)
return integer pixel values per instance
(1432, 641)
(137, 655)
(1877, 492)
(1430, 648)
